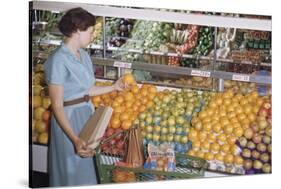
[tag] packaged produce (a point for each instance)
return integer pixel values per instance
(161, 158)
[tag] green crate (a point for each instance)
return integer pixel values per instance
(186, 167)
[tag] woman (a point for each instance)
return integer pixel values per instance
(70, 76)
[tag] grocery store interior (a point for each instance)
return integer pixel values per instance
(203, 91)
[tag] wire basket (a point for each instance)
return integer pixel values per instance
(186, 167)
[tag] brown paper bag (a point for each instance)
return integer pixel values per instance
(134, 153)
(96, 125)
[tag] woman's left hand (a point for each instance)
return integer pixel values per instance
(119, 85)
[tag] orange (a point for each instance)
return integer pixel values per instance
(135, 89)
(142, 108)
(151, 96)
(217, 127)
(124, 116)
(245, 121)
(211, 137)
(259, 101)
(126, 124)
(196, 144)
(228, 158)
(36, 101)
(228, 129)
(128, 96)
(243, 101)
(231, 139)
(209, 156)
(234, 149)
(202, 114)
(128, 79)
(149, 104)
(198, 126)
(212, 104)
(46, 115)
(200, 154)
(241, 117)
(231, 114)
(238, 132)
(192, 135)
(115, 123)
(219, 101)
(215, 147)
(128, 104)
(135, 108)
(138, 96)
(238, 160)
(202, 135)
(252, 117)
(207, 126)
(119, 109)
(194, 120)
(144, 101)
(143, 92)
(221, 138)
(227, 101)
(224, 121)
(119, 99)
(206, 119)
(114, 104)
(205, 145)
(247, 109)
(236, 125)
(152, 89)
(113, 94)
(225, 148)
(191, 153)
(219, 157)
(238, 110)
(234, 120)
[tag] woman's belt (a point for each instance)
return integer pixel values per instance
(85, 98)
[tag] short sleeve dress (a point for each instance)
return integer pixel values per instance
(62, 68)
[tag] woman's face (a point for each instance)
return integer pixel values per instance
(85, 37)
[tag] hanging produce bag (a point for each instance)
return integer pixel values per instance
(134, 153)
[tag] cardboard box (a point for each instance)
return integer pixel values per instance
(96, 125)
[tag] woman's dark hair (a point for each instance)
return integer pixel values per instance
(76, 19)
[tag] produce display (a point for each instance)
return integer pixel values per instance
(214, 137)
(127, 105)
(119, 30)
(191, 81)
(169, 119)
(97, 34)
(146, 36)
(256, 142)
(40, 107)
(240, 86)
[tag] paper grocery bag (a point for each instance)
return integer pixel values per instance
(135, 150)
(95, 126)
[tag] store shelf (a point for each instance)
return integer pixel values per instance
(184, 71)
(159, 15)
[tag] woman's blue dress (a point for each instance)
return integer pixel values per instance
(62, 68)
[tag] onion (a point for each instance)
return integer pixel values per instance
(248, 133)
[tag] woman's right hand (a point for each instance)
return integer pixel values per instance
(82, 149)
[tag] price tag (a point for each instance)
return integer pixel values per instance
(122, 64)
(200, 73)
(241, 78)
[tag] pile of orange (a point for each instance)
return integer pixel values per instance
(217, 127)
(127, 105)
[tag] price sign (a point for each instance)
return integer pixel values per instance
(241, 78)
(200, 73)
(122, 64)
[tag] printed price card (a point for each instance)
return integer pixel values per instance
(122, 64)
